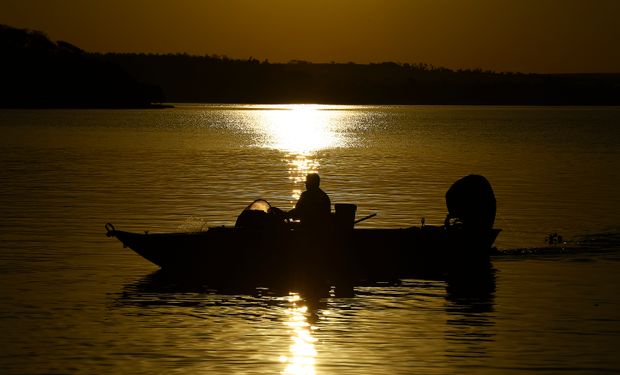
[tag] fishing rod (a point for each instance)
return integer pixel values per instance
(364, 218)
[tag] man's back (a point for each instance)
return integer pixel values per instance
(313, 207)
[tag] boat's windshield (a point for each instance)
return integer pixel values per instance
(259, 205)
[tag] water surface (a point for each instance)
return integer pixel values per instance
(74, 301)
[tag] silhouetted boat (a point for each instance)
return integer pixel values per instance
(271, 254)
(263, 248)
(370, 253)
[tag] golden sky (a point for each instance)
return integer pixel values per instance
(545, 36)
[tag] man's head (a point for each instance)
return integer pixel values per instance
(312, 181)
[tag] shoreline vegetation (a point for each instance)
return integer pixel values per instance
(39, 73)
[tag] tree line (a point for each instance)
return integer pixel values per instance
(38, 72)
(218, 79)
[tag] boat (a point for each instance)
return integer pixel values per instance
(264, 249)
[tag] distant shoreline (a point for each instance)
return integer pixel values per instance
(174, 105)
(103, 107)
(38, 73)
(217, 79)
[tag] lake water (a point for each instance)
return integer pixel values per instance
(73, 301)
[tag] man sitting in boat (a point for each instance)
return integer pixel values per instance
(313, 208)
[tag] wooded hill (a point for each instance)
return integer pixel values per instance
(36, 72)
(186, 78)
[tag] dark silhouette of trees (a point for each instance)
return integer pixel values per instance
(37, 73)
(218, 79)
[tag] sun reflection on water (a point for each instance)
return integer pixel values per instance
(302, 128)
(302, 351)
(298, 167)
(300, 131)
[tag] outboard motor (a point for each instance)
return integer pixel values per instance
(471, 203)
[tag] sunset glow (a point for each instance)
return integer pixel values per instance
(302, 355)
(526, 36)
(310, 187)
(301, 129)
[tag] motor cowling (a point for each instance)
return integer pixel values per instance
(260, 215)
(255, 215)
(471, 203)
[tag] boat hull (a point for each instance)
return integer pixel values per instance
(226, 254)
